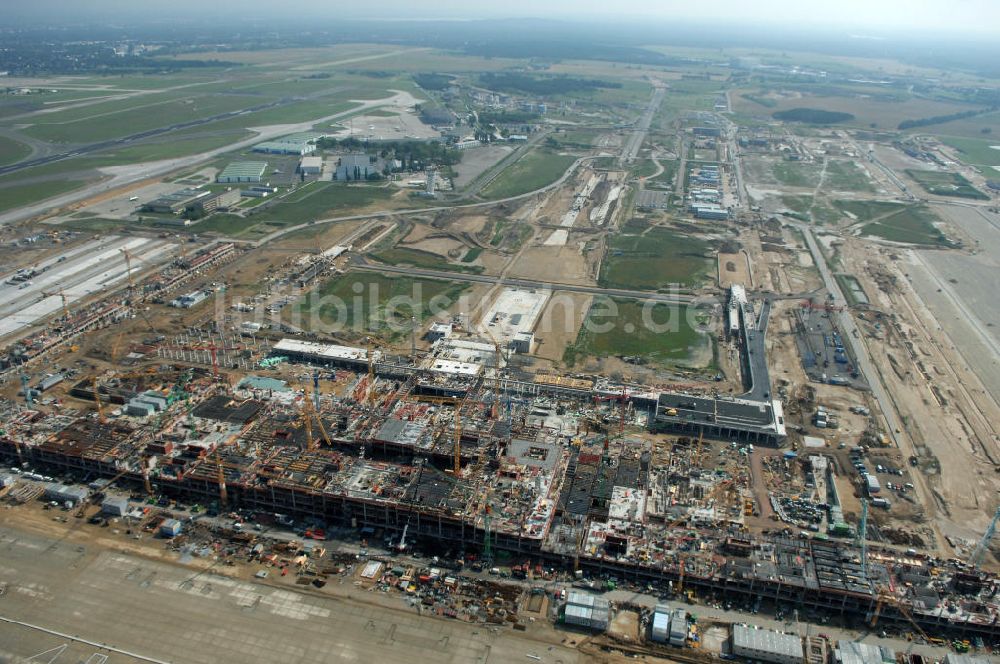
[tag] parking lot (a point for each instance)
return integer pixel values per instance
(825, 356)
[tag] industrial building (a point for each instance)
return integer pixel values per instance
(299, 144)
(660, 624)
(678, 629)
(176, 202)
(589, 611)
(189, 300)
(115, 506)
(853, 652)
(765, 645)
(512, 317)
(358, 167)
(239, 172)
(201, 201)
(709, 211)
(311, 166)
(439, 331)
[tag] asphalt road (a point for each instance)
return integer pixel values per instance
(634, 143)
(852, 335)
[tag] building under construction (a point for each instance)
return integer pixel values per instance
(543, 471)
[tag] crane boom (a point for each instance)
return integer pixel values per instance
(984, 543)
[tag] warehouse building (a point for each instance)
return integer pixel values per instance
(189, 300)
(222, 200)
(585, 610)
(709, 211)
(660, 626)
(357, 167)
(242, 171)
(765, 645)
(280, 147)
(115, 506)
(678, 628)
(956, 658)
(852, 652)
(176, 202)
(72, 495)
(311, 166)
(202, 201)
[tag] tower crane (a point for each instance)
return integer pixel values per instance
(97, 401)
(129, 256)
(370, 395)
(145, 476)
(27, 390)
(497, 360)
(624, 398)
(862, 538)
(457, 425)
(309, 412)
(984, 543)
(61, 294)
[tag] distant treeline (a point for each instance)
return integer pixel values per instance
(432, 81)
(409, 152)
(812, 116)
(488, 117)
(542, 85)
(504, 44)
(941, 119)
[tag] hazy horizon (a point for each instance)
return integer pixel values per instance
(866, 18)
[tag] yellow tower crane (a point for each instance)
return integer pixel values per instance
(308, 413)
(62, 295)
(97, 401)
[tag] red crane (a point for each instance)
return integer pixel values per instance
(624, 397)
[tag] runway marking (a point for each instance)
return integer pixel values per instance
(101, 646)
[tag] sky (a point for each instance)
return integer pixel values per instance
(953, 16)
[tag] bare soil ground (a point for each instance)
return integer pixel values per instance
(950, 418)
(556, 264)
(560, 324)
(734, 269)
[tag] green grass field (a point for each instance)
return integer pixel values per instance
(797, 173)
(669, 175)
(12, 151)
(619, 328)
(643, 168)
(97, 224)
(25, 194)
(346, 303)
(842, 175)
(134, 117)
(944, 183)
(868, 210)
(976, 152)
(655, 261)
(323, 199)
(533, 171)
(422, 259)
(578, 138)
(913, 225)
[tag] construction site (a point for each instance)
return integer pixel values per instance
(482, 463)
(779, 438)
